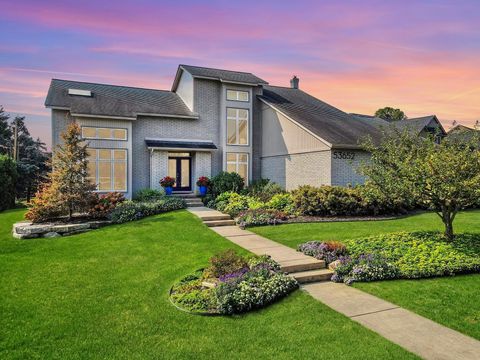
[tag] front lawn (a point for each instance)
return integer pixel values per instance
(451, 301)
(104, 294)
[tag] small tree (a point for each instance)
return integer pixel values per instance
(68, 189)
(390, 114)
(444, 177)
(8, 177)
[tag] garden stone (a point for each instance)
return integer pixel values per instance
(24, 236)
(69, 228)
(51, 234)
(29, 228)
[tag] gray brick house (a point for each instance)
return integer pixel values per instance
(213, 120)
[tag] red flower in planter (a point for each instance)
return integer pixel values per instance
(167, 181)
(203, 181)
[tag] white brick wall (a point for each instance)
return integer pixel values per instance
(344, 171)
(291, 171)
(202, 166)
(158, 168)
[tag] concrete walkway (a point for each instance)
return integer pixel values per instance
(413, 332)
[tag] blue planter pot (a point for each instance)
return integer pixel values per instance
(168, 190)
(203, 190)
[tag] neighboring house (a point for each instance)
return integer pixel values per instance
(213, 120)
(463, 133)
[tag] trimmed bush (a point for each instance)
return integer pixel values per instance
(282, 202)
(8, 178)
(257, 217)
(145, 195)
(130, 210)
(226, 181)
(368, 267)
(344, 201)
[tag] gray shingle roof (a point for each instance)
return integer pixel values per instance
(329, 123)
(113, 100)
(219, 74)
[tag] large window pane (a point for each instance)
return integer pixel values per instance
(119, 134)
(104, 133)
(231, 168)
(243, 114)
(104, 176)
(119, 176)
(104, 154)
(243, 95)
(238, 162)
(242, 171)
(242, 132)
(89, 132)
(231, 131)
(119, 154)
(237, 95)
(237, 126)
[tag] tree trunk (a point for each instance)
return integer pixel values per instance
(447, 218)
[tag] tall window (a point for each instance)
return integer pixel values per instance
(238, 162)
(237, 95)
(89, 132)
(237, 126)
(108, 169)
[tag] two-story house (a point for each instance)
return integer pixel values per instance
(212, 120)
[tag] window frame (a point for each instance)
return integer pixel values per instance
(237, 127)
(112, 161)
(238, 162)
(103, 128)
(237, 95)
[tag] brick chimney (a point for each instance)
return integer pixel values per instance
(294, 82)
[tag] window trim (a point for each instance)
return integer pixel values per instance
(237, 129)
(112, 168)
(103, 138)
(237, 99)
(237, 162)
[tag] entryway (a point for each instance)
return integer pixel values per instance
(180, 168)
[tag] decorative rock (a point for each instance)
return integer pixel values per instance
(28, 228)
(334, 264)
(51, 234)
(99, 223)
(67, 228)
(25, 236)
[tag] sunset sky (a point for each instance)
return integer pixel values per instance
(420, 56)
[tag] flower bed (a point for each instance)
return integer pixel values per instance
(403, 255)
(232, 285)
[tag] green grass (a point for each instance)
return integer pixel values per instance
(104, 294)
(294, 234)
(451, 301)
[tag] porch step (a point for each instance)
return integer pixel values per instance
(312, 275)
(194, 205)
(188, 195)
(213, 223)
(215, 217)
(295, 266)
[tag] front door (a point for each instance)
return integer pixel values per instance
(180, 169)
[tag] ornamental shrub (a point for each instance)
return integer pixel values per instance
(130, 210)
(8, 178)
(224, 263)
(104, 204)
(257, 217)
(148, 195)
(365, 267)
(252, 290)
(263, 189)
(226, 181)
(283, 202)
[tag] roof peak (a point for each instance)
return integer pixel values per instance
(211, 68)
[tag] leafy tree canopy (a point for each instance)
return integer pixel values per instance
(390, 114)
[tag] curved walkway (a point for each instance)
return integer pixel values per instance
(413, 332)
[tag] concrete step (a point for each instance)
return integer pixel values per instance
(195, 205)
(219, 223)
(193, 200)
(185, 195)
(293, 266)
(215, 217)
(312, 275)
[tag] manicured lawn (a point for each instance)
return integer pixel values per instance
(451, 301)
(294, 234)
(104, 294)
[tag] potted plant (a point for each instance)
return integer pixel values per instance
(202, 184)
(167, 183)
